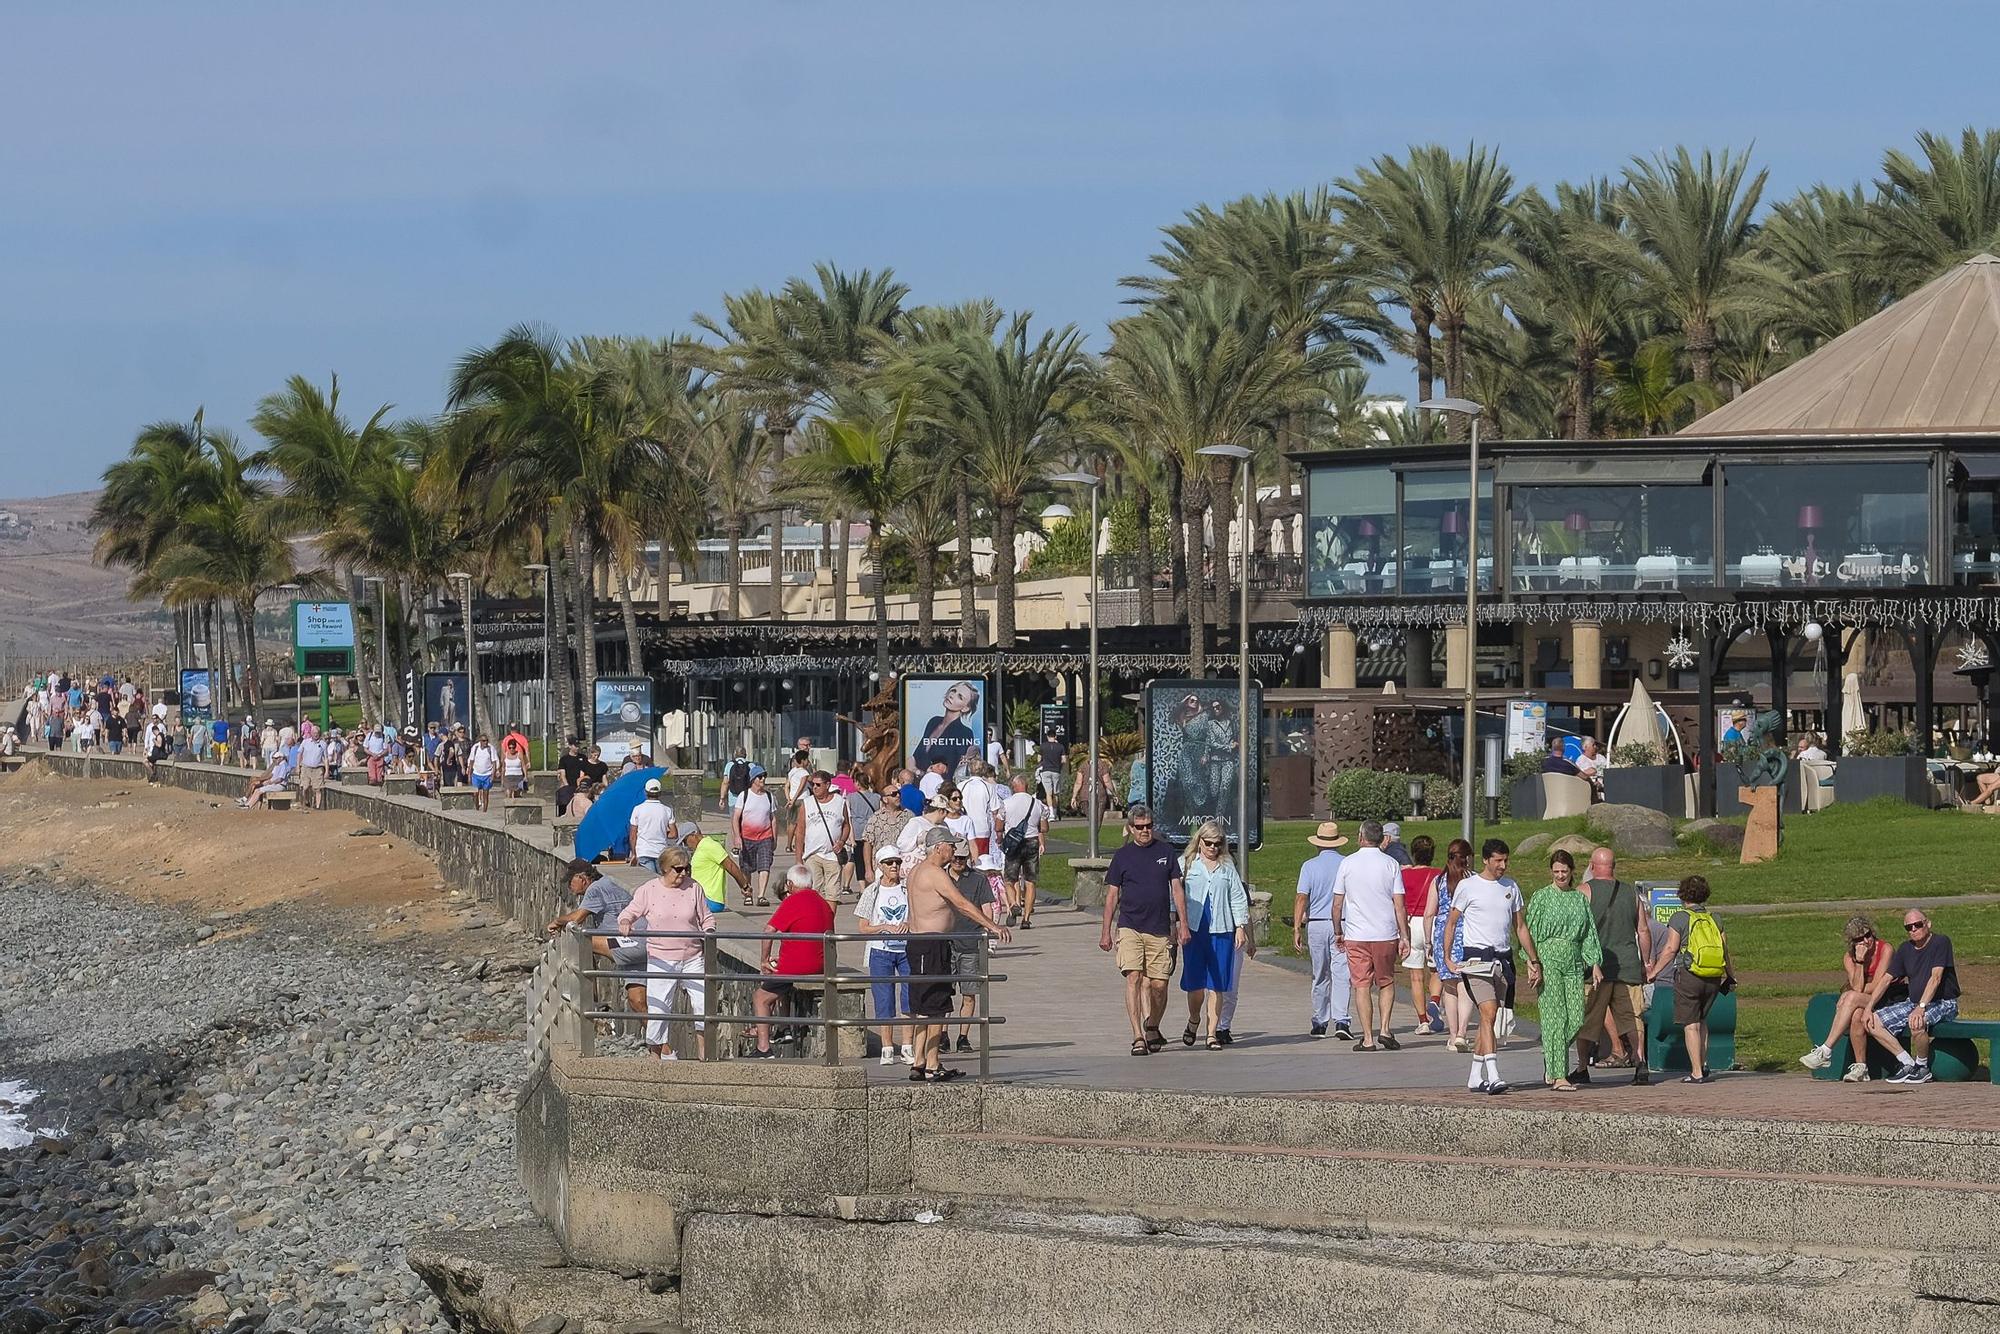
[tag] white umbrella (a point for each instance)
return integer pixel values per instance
(1853, 715)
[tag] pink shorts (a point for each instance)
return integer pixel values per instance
(1372, 961)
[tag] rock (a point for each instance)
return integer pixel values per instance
(1533, 844)
(548, 1324)
(208, 932)
(1716, 833)
(1634, 831)
(366, 831)
(1578, 847)
(208, 1304)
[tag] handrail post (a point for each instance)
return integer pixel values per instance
(579, 993)
(983, 962)
(828, 998)
(709, 1030)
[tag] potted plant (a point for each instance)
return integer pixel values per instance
(1639, 775)
(1881, 764)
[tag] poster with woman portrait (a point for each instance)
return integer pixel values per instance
(944, 718)
(446, 696)
(1193, 758)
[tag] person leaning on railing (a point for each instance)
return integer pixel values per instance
(599, 901)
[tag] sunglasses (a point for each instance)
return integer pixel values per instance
(1915, 926)
(1211, 843)
(1141, 828)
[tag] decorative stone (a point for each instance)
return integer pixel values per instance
(1088, 896)
(1577, 846)
(1533, 844)
(1716, 833)
(1634, 831)
(457, 798)
(1760, 834)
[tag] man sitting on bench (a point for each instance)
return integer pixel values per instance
(269, 783)
(1924, 964)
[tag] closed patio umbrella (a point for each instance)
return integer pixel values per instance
(1853, 714)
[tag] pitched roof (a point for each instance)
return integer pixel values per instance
(1928, 365)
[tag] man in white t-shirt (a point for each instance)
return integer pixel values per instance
(996, 755)
(312, 770)
(910, 842)
(1021, 867)
(1370, 925)
(933, 780)
(980, 797)
(819, 834)
(481, 763)
(1590, 764)
(1488, 905)
(650, 829)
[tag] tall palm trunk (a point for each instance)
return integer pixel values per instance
(926, 562)
(247, 624)
(1583, 391)
(635, 657)
(733, 528)
(1700, 333)
(1451, 323)
(1148, 608)
(881, 591)
(1221, 511)
(559, 644)
(663, 606)
(840, 564)
(779, 433)
(1422, 316)
(1177, 555)
(586, 623)
(1197, 622)
(968, 613)
(1006, 514)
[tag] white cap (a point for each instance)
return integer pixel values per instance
(652, 786)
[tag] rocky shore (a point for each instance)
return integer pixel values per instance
(257, 1107)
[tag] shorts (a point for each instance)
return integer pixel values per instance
(1139, 952)
(892, 998)
(1693, 996)
(268, 789)
(628, 959)
(778, 987)
(1491, 989)
(663, 981)
(312, 780)
(1047, 778)
(757, 854)
(1024, 866)
(931, 1000)
(1372, 961)
(965, 963)
(1419, 955)
(1895, 1016)
(1624, 1001)
(825, 873)
(482, 782)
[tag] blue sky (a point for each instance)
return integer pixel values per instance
(199, 199)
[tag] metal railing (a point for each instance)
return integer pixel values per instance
(581, 960)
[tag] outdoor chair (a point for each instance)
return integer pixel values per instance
(1816, 789)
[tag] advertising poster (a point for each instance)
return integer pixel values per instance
(1527, 726)
(447, 700)
(323, 637)
(197, 696)
(622, 716)
(1055, 722)
(944, 718)
(1193, 755)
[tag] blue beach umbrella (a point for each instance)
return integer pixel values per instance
(602, 832)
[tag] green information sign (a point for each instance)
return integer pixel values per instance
(323, 638)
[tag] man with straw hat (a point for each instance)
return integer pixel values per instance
(1313, 931)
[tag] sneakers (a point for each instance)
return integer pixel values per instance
(760, 1054)
(906, 1055)
(1435, 1013)
(1342, 1029)
(964, 1043)
(1319, 1030)
(1817, 1058)
(1913, 1072)
(1459, 1045)
(1224, 1036)
(1496, 1088)
(1857, 1074)
(888, 1055)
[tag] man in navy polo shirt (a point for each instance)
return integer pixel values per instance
(1145, 917)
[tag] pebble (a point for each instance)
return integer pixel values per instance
(252, 1126)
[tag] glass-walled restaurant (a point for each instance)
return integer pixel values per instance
(1813, 520)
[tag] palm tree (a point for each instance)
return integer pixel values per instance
(857, 463)
(1819, 275)
(1563, 281)
(732, 453)
(1691, 234)
(1429, 234)
(1007, 400)
(1646, 393)
(925, 521)
(1938, 212)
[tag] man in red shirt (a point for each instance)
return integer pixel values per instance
(805, 911)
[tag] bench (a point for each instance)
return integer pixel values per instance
(399, 785)
(521, 812)
(280, 801)
(10, 763)
(1666, 1046)
(458, 798)
(354, 775)
(1954, 1049)
(542, 783)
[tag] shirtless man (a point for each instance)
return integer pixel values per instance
(936, 906)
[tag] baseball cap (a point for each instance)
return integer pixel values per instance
(936, 802)
(938, 838)
(1393, 830)
(652, 786)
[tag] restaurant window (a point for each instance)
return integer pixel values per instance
(1975, 519)
(1616, 538)
(1434, 530)
(1814, 524)
(1350, 530)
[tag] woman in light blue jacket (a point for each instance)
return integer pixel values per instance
(1218, 923)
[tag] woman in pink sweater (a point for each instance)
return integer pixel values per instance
(672, 901)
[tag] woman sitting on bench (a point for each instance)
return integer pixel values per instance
(1867, 955)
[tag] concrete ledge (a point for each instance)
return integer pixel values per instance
(457, 799)
(542, 783)
(521, 812)
(1090, 892)
(563, 833)
(508, 1278)
(399, 785)
(354, 775)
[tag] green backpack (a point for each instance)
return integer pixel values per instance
(1706, 956)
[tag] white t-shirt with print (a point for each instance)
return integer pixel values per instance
(1487, 909)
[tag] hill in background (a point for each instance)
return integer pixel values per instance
(54, 603)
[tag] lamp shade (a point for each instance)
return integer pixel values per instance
(1367, 528)
(1810, 518)
(1576, 521)
(1452, 523)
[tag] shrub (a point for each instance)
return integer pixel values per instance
(1376, 794)
(1638, 754)
(1883, 744)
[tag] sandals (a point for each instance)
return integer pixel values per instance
(1155, 1040)
(1215, 1044)
(1367, 1046)
(1188, 1036)
(1694, 1079)
(1563, 1086)
(1140, 1047)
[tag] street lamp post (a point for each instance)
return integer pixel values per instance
(1095, 483)
(543, 702)
(1246, 737)
(1466, 407)
(464, 582)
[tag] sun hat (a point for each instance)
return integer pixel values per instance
(890, 855)
(1328, 835)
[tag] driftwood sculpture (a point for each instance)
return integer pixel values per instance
(881, 737)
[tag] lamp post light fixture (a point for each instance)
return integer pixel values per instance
(1416, 797)
(1467, 408)
(464, 582)
(543, 570)
(1245, 737)
(1095, 483)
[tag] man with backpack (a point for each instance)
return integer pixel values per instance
(1698, 953)
(1023, 826)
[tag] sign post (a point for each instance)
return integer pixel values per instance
(323, 645)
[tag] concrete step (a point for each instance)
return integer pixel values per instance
(1314, 1187)
(1490, 1127)
(1046, 1271)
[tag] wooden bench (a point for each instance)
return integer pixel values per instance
(521, 812)
(1666, 1045)
(458, 799)
(280, 801)
(1954, 1049)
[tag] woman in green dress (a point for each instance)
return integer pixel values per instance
(1565, 935)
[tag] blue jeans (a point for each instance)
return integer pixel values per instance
(651, 864)
(890, 965)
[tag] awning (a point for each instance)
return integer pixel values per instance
(1980, 467)
(1680, 470)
